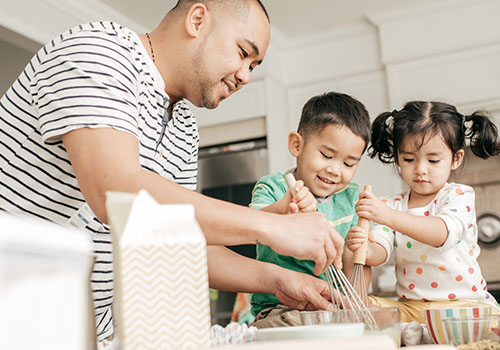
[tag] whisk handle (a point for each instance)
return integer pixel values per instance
(359, 256)
(290, 181)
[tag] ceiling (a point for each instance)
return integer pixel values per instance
(290, 17)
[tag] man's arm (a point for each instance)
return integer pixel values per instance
(233, 272)
(108, 160)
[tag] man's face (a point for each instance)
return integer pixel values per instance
(228, 53)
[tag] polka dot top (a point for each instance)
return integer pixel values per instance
(448, 272)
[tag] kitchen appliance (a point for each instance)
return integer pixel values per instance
(483, 176)
(229, 172)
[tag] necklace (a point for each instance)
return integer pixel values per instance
(151, 47)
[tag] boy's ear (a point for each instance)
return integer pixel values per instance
(457, 159)
(295, 143)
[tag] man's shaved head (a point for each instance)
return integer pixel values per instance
(234, 6)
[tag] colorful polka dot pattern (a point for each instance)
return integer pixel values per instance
(425, 274)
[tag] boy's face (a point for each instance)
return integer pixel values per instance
(326, 160)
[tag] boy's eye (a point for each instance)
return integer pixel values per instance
(324, 155)
(434, 160)
(244, 53)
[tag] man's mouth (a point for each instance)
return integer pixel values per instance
(226, 87)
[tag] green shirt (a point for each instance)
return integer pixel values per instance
(340, 211)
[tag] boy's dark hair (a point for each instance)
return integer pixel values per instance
(335, 108)
(429, 119)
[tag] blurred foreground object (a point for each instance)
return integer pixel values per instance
(45, 286)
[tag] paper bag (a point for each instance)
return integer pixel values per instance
(161, 278)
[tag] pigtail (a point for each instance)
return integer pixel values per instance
(483, 135)
(381, 138)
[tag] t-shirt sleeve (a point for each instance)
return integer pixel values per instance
(85, 80)
(268, 190)
(456, 209)
(384, 235)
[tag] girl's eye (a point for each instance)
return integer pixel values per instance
(349, 165)
(325, 156)
(244, 53)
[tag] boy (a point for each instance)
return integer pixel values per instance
(333, 133)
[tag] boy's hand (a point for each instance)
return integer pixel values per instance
(372, 208)
(302, 200)
(356, 237)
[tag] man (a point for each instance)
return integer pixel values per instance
(100, 109)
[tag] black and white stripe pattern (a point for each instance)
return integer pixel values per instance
(96, 75)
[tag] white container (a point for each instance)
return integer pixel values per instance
(44, 286)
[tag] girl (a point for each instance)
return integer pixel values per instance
(432, 227)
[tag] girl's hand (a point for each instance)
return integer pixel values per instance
(373, 209)
(301, 199)
(356, 237)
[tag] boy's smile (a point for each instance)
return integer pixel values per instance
(327, 160)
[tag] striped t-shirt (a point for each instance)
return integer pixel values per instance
(96, 75)
(340, 211)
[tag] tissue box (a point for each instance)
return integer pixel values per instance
(161, 277)
(44, 286)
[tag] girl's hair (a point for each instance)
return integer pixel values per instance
(428, 119)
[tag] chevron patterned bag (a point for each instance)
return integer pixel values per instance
(161, 278)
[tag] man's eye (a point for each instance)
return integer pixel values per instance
(244, 53)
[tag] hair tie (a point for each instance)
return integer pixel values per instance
(468, 118)
(389, 122)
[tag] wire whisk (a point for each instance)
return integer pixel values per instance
(350, 305)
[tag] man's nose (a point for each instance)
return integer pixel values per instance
(243, 75)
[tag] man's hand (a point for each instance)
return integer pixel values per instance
(302, 292)
(307, 236)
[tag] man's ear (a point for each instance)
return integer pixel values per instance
(295, 143)
(457, 159)
(196, 17)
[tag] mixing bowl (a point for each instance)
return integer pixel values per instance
(464, 330)
(434, 319)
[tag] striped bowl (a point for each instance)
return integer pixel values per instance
(435, 324)
(467, 329)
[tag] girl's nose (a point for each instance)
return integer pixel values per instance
(421, 168)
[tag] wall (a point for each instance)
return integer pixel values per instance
(448, 50)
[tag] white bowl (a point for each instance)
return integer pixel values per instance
(320, 331)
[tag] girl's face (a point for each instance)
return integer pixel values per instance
(426, 169)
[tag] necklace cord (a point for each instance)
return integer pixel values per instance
(151, 47)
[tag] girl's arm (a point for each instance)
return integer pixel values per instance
(425, 229)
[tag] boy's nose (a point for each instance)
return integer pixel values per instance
(333, 169)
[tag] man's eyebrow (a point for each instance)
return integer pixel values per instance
(255, 49)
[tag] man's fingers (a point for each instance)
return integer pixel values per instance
(320, 265)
